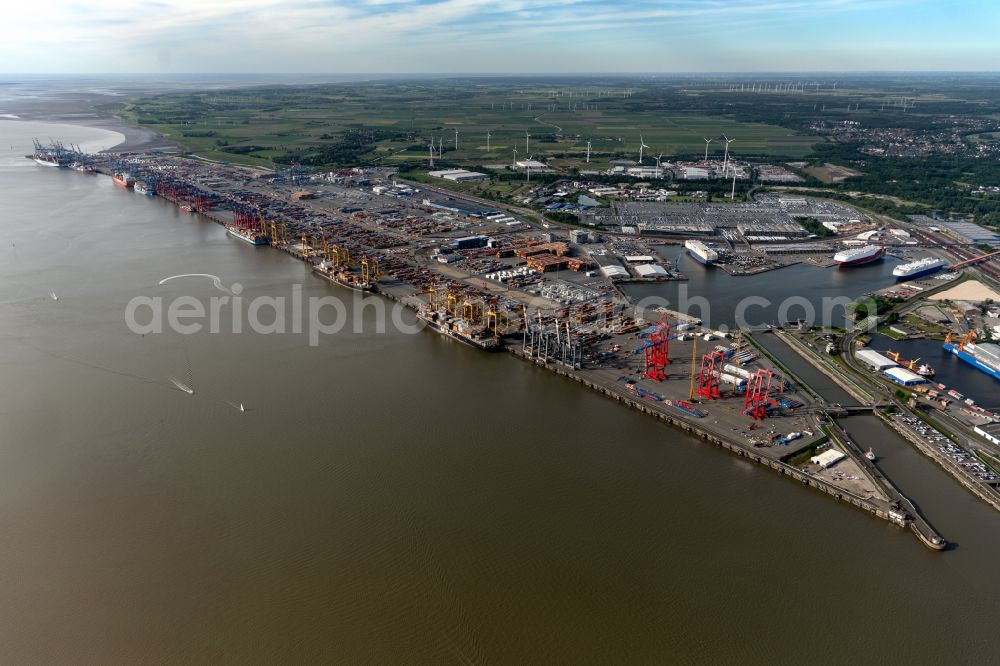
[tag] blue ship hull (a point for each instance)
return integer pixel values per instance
(972, 360)
(919, 274)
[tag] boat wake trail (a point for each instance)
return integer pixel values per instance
(182, 386)
(216, 280)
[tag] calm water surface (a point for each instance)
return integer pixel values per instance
(393, 498)
(802, 291)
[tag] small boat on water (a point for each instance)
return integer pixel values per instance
(871, 455)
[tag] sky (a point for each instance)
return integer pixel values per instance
(498, 36)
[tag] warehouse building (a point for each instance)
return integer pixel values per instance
(827, 459)
(457, 175)
(614, 272)
(650, 271)
(874, 360)
(904, 377)
(990, 431)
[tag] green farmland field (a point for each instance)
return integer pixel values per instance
(394, 122)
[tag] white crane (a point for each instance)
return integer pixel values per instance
(642, 146)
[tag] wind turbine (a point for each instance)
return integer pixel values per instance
(659, 171)
(527, 167)
(732, 195)
(432, 153)
(588, 151)
(642, 145)
(514, 164)
(456, 138)
(526, 137)
(725, 162)
(488, 140)
(707, 141)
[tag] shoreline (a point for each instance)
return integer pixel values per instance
(83, 112)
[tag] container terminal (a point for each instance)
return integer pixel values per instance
(493, 278)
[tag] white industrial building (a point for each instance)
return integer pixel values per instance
(990, 431)
(694, 173)
(457, 175)
(904, 377)
(650, 271)
(531, 164)
(645, 172)
(614, 272)
(827, 459)
(874, 360)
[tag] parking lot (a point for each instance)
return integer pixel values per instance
(960, 456)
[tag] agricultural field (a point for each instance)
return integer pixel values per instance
(394, 123)
(912, 142)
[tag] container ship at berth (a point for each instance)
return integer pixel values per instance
(123, 179)
(342, 277)
(47, 159)
(142, 187)
(859, 256)
(252, 236)
(457, 329)
(919, 268)
(701, 252)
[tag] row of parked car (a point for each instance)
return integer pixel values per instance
(961, 457)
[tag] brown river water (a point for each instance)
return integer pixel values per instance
(396, 498)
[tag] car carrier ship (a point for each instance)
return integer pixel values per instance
(918, 268)
(859, 256)
(701, 252)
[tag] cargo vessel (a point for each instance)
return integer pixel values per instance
(457, 329)
(859, 256)
(342, 276)
(918, 268)
(984, 356)
(922, 369)
(47, 159)
(701, 252)
(123, 179)
(53, 155)
(251, 236)
(142, 187)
